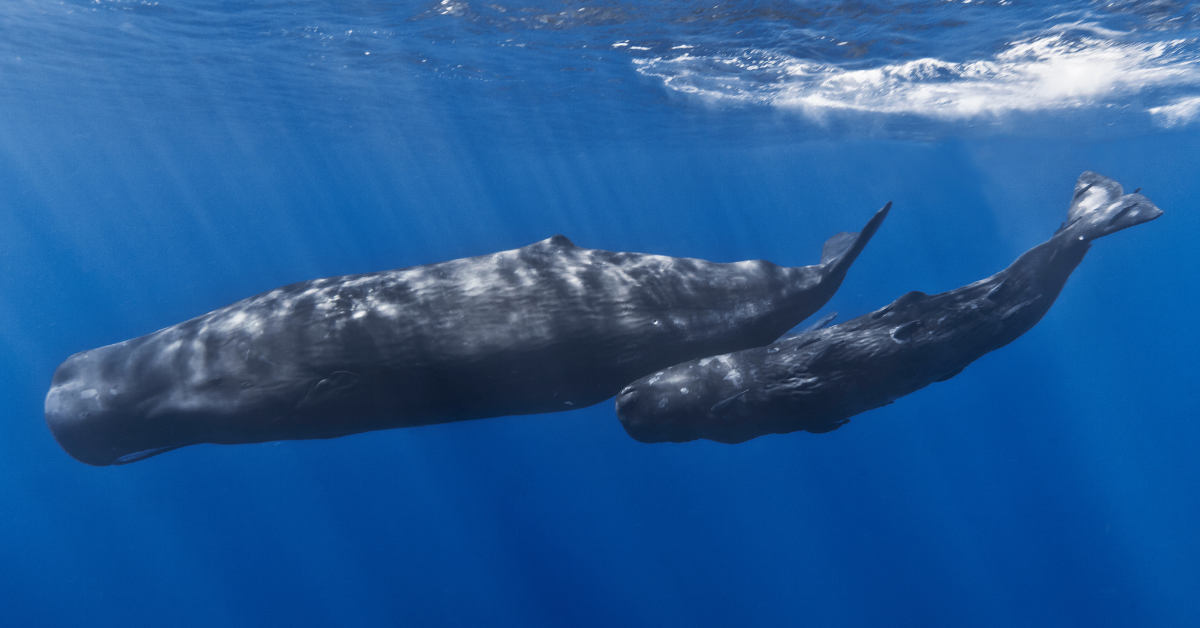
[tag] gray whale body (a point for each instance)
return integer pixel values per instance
(817, 380)
(547, 327)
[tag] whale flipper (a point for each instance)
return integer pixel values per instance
(821, 323)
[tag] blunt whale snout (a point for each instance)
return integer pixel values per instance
(78, 416)
(99, 418)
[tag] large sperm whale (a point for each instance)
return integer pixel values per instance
(817, 380)
(547, 327)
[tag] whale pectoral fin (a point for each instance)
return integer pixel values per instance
(1017, 308)
(726, 405)
(329, 388)
(821, 323)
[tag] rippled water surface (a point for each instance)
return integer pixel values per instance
(159, 160)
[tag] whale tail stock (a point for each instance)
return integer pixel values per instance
(1100, 207)
(841, 250)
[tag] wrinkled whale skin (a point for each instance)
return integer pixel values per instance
(547, 327)
(817, 380)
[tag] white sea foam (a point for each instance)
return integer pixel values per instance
(1179, 113)
(1049, 72)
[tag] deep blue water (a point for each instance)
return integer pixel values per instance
(161, 159)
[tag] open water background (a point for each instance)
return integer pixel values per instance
(162, 159)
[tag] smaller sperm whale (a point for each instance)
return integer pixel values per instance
(543, 328)
(819, 379)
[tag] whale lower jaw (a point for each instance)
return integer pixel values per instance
(148, 453)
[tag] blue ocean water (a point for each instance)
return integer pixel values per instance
(162, 159)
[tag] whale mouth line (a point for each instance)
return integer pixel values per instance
(148, 453)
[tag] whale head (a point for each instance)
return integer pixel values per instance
(129, 401)
(101, 415)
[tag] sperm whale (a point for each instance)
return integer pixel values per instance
(817, 380)
(543, 328)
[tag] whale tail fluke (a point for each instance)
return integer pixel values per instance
(841, 250)
(1100, 207)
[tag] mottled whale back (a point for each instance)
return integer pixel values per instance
(547, 327)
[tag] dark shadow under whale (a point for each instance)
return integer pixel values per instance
(817, 380)
(547, 327)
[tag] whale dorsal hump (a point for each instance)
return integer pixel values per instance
(559, 242)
